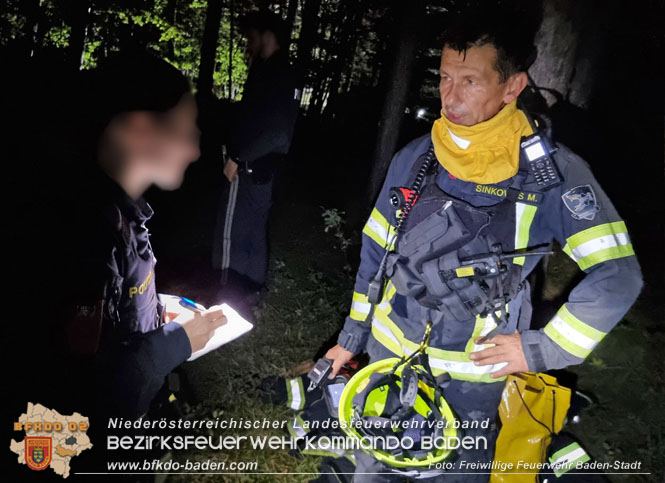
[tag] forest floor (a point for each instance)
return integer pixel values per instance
(309, 291)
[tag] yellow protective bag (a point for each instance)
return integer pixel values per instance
(532, 410)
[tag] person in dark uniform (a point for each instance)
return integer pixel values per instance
(98, 334)
(260, 138)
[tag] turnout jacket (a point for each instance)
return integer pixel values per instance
(577, 214)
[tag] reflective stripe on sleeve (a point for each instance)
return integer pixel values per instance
(573, 335)
(599, 244)
(567, 457)
(360, 307)
(296, 393)
(298, 428)
(379, 230)
(524, 215)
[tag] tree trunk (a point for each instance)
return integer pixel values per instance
(31, 28)
(209, 47)
(343, 54)
(406, 28)
(230, 71)
(290, 20)
(170, 14)
(79, 16)
(570, 43)
(308, 30)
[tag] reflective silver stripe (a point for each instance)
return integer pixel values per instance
(569, 457)
(572, 334)
(388, 333)
(438, 363)
(296, 397)
(228, 224)
(297, 430)
(488, 325)
(377, 228)
(600, 243)
(519, 212)
(361, 307)
(464, 367)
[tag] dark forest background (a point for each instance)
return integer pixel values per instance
(370, 71)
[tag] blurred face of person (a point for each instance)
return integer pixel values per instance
(260, 45)
(254, 44)
(470, 87)
(157, 148)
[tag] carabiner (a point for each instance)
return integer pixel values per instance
(425, 340)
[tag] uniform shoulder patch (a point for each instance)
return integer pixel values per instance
(581, 201)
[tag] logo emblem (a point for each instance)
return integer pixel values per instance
(37, 452)
(581, 202)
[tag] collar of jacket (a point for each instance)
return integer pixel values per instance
(137, 211)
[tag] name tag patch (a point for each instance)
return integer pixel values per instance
(497, 191)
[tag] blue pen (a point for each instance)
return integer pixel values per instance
(189, 304)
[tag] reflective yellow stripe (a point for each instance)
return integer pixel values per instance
(334, 452)
(599, 244)
(360, 307)
(524, 215)
(483, 327)
(573, 335)
(298, 428)
(296, 393)
(456, 363)
(566, 458)
(379, 230)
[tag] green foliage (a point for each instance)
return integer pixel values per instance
(333, 222)
(172, 29)
(58, 36)
(229, 40)
(342, 51)
(178, 39)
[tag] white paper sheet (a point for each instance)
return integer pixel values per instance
(234, 328)
(235, 325)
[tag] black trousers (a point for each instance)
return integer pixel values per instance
(241, 232)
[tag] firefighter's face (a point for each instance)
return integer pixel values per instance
(162, 146)
(470, 87)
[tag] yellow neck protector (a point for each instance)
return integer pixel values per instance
(487, 152)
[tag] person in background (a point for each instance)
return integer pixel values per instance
(260, 137)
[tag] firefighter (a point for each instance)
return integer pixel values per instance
(465, 214)
(260, 138)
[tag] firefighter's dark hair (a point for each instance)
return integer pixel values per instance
(510, 26)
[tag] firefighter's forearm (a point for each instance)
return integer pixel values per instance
(594, 307)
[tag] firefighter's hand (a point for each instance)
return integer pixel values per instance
(507, 348)
(339, 357)
(201, 326)
(231, 170)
